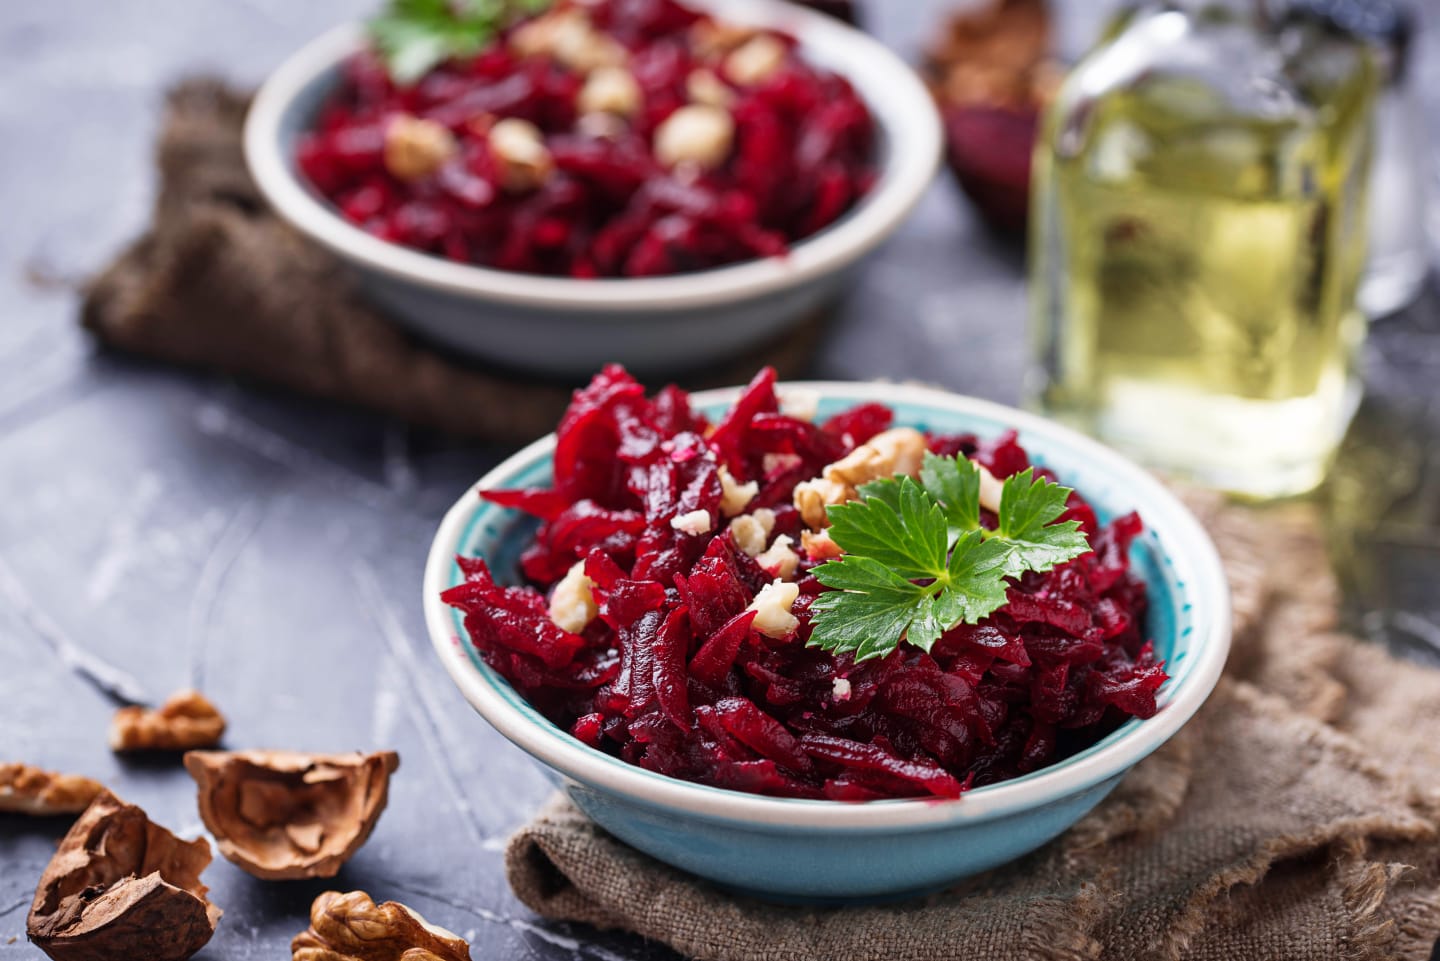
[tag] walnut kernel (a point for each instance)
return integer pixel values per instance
(735, 496)
(772, 609)
(415, 148)
(703, 86)
(756, 61)
(698, 135)
(29, 790)
(352, 927)
(891, 453)
(519, 148)
(712, 39)
(611, 90)
(572, 604)
(184, 722)
(569, 38)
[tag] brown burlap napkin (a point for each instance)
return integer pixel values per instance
(1294, 818)
(219, 283)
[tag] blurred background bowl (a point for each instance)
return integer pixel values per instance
(570, 327)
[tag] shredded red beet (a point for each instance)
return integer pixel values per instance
(673, 675)
(607, 202)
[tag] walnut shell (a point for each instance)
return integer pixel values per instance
(121, 886)
(29, 790)
(352, 927)
(184, 722)
(282, 814)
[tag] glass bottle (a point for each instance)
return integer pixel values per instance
(1198, 236)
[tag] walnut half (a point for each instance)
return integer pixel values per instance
(900, 450)
(184, 722)
(282, 814)
(29, 790)
(121, 886)
(352, 927)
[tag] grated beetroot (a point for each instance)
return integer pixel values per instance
(674, 677)
(803, 154)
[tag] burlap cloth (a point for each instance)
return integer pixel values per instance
(1294, 818)
(219, 283)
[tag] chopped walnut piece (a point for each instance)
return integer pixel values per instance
(572, 604)
(538, 37)
(891, 453)
(780, 560)
(568, 37)
(519, 149)
(712, 39)
(752, 531)
(611, 90)
(819, 545)
(184, 722)
(415, 148)
(772, 609)
(813, 496)
(735, 496)
(697, 135)
(756, 61)
(588, 50)
(765, 517)
(282, 814)
(693, 523)
(352, 927)
(121, 886)
(748, 534)
(991, 487)
(800, 403)
(29, 790)
(703, 86)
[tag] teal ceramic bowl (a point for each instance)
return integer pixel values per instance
(828, 851)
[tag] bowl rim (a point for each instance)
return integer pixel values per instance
(561, 752)
(910, 121)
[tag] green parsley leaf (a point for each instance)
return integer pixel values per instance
(955, 483)
(414, 36)
(1028, 509)
(869, 604)
(897, 524)
(918, 562)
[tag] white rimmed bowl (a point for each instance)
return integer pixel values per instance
(652, 325)
(827, 850)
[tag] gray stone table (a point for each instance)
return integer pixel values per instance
(187, 531)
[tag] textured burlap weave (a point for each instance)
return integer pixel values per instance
(220, 284)
(1294, 818)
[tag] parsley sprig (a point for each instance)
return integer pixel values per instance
(416, 35)
(918, 562)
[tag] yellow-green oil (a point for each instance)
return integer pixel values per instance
(1197, 244)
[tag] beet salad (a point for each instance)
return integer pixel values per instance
(846, 609)
(587, 138)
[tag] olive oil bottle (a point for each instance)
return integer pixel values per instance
(1198, 239)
